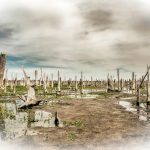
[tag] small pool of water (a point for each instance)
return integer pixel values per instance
(141, 112)
(87, 94)
(83, 96)
(15, 123)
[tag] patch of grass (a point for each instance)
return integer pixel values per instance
(72, 136)
(104, 95)
(78, 124)
(21, 88)
(6, 113)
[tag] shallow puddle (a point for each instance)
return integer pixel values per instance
(15, 123)
(87, 94)
(141, 112)
(83, 96)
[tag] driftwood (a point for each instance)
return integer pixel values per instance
(110, 90)
(30, 99)
(30, 105)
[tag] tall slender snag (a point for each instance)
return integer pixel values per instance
(52, 84)
(58, 86)
(118, 75)
(36, 74)
(148, 88)
(81, 84)
(2, 68)
(138, 95)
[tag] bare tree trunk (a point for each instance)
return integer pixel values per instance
(133, 82)
(14, 86)
(58, 86)
(36, 74)
(11, 84)
(138, 95)
(91, 84)
(118, 74)
(45, 83)
(2, 68)
(41, 78)
(81, 83)
(52, 83)
(76, 84)
(148, 87)
(5, 83)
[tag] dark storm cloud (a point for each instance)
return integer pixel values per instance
(5, 32)
(142, 25)
(99, 19)
(77, 35)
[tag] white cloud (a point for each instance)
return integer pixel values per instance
(83, 35)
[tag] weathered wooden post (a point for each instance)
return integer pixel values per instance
(114, 82)
(133, 82)
(138, 95)
(6, 77)
(135, 85)
(118, 75)
(121, 84)
(76, 84)
(5, 82)
(2, 68)
(60, 80)
(69, 83)
(36, 74)
(91, 84)
(110, 86)
(84, 82)
(107, 85)
(148, 88)
(139, 86)
(15, 84)
(81, 83)
(58, 86)
(45, 83)
(27, 79)
(41, 78)
(5, 86)
(11, 84)
(52, 83)
(24, 82)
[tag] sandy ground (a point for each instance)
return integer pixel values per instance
(87, 122)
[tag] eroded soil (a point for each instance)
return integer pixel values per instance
(87, 121)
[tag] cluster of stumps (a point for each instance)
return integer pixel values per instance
(133, 85)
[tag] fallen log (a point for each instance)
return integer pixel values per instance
(110, 90)
(29, 105)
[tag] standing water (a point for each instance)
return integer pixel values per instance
(15, 123)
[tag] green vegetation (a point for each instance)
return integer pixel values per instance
(78, 124)
(104, 95)
(72, 136)
(4, 113)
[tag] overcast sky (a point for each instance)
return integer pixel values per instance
(95, 36)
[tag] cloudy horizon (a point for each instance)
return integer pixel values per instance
(95, 37)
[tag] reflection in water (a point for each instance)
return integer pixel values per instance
(86, 94)
(14, 124)
(141, 111)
